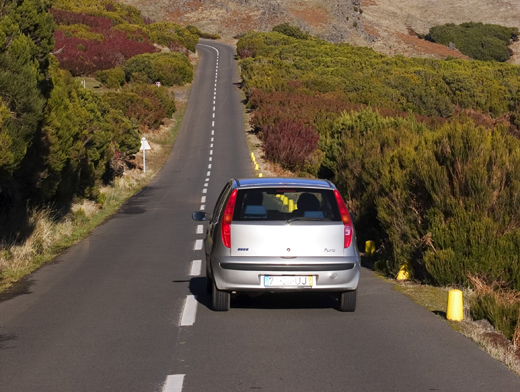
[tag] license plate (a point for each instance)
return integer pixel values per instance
(288, 281)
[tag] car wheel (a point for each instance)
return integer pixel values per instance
(347, 301)
(221, 300)
(209, 284)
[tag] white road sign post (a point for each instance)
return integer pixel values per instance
(144, 146)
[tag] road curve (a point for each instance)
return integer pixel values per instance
(125, 309)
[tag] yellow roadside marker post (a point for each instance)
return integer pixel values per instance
(370, 248)
(455, 311)
(260, 175)
(403, 273)
(256, 166)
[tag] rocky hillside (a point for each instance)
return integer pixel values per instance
(333, 20)
(388, 26)
(394, 24)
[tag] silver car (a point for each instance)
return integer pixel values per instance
(278, 235)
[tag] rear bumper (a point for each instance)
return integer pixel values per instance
(245, 274)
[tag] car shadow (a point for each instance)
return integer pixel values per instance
(300, 300)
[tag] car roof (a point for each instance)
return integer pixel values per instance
(260, 182)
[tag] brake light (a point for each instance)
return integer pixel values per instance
(227, 219)
(345, 217)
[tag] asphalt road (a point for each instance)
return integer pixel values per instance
(126, 310)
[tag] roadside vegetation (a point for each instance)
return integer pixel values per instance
(425, 150)
(68, 153)
(486, 42)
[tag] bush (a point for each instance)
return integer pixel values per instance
(112, 78)
(425, 86)
(441, 199)
(497, 304)
(110, 53)
(476, 40)
(147, 105)
(168, 68)
(165, 33)
(291, 31)
(195, 31)
(289, 143)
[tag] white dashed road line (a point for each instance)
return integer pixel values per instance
(196, 266)
(198, 245)
(200, 229)
(190, 311)
(173, 383)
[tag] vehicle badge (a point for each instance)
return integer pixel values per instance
(288, 249)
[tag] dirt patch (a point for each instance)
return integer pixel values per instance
(427, 48)
(315, 18)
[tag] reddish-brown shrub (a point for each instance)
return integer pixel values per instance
(289, 143)
(112, 52)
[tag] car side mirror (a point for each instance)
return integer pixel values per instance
(199, 216)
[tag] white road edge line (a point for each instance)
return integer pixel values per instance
(196, 266)
(198, 245)
(190, 311)
(173, 383)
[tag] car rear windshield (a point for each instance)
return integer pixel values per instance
(283, 204)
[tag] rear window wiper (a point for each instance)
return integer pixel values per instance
(303, 218)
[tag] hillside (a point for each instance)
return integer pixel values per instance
(395, 23)
(388, 26)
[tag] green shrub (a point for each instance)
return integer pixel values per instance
(112, 78)
(195, 31)
(291, 31)
(425, 86)
(147, 105)
(80, 31)
(164, 33)
(442, 199)
(476, 40)
(168, 68)
(499, 305)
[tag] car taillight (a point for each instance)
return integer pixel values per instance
(227, 219)
(345, 217)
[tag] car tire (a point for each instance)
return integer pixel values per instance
(220, 300)
(347, 301)
(209, 285)
(209, 281)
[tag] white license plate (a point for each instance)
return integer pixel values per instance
(289, 281)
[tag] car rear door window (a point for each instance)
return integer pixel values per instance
(283, 204)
